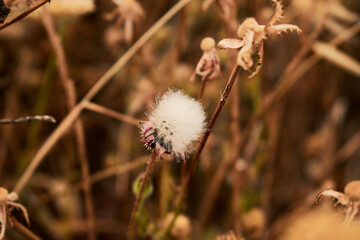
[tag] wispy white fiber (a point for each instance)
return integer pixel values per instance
(176, 119)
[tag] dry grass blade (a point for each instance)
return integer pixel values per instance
(24, 14)
(334, 55)
(111, 113)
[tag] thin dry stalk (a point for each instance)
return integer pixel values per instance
(350, 147)
(149, 168)
(27, 232)
(70, 93)
(215, 115)
(224, 96)
(275, 126)
(73, 115)
(202, 89)
(24, 14)
(113, 114)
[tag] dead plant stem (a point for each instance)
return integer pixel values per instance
(215, 115)
(224, 96)
(202, 88)
(27, 232)
(24, 14)
(70, 93)
(149, 168)
(111, 113)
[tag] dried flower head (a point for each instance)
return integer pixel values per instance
(6, 202)
(209, 65)
(252, 35)
(350, 200)
(127, 14)
(175, 123)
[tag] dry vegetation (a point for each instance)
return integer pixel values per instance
(272, 162)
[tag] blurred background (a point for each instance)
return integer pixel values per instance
(285, 135)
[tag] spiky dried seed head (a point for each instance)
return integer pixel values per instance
(207, 44)
(352, 190)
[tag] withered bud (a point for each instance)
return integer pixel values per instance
(207, 44)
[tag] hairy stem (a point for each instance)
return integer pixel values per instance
(130, 233)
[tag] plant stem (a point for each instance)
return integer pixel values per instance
(202, 88)
(111, 113)
(195, 160)
(130, 233)
(70, 93)
(215, 115)
(24, 14)
(27, 232)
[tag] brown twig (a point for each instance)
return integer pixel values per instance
(215, 115)
(349, 148)
(73, 115)
(24, 14)
(111, 113)
(130, 233)
(224, 96)
(27, 232)
(70, 93)
(202, 88)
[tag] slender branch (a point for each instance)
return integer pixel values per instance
(111, 113)
(24, 14)
(224, 96)
(130, 233)
(202, 88)
(72, 116)
(27, 232)
(215, 115)
(70, 93)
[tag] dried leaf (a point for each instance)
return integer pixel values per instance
(230, 43)
(334, 55)
(342, 198)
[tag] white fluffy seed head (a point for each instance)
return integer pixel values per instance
(179, 119)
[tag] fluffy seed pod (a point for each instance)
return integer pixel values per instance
(174, 125)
